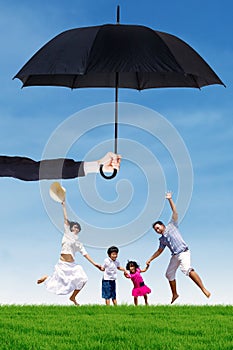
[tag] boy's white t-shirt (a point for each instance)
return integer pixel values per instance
(110, 272)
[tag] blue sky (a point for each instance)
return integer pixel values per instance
(178, 139)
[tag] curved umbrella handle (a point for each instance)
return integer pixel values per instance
(105, 176)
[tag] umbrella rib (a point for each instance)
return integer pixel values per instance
(138, 81)
(195, 81)
(73, 82)
(170, 51)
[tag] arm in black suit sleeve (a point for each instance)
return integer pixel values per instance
(30, 170)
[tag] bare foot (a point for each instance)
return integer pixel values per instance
(206, 292)
(42, 279)
(174, 297)
(74, 301)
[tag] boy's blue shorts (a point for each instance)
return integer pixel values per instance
(109, 289)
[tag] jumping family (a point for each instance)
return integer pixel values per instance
(69, 277)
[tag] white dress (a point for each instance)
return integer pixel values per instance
(67, 276)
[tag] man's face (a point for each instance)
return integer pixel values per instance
(159, 228)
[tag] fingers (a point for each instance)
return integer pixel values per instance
(100, 267)
(168, 194)
(112, 157)
(111, 161)
(116, 160)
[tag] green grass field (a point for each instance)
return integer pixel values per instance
(122, 327)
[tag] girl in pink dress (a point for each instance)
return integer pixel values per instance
(140, 289)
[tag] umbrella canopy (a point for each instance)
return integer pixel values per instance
(117, 56)
(142, 57)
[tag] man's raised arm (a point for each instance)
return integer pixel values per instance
(172, 205)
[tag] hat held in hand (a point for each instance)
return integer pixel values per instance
(57, 192)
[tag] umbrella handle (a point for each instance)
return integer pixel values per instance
(105, 176)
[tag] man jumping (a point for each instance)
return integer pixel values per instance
(171, 237)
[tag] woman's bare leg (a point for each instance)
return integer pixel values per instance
(73, 296)
(42, 279)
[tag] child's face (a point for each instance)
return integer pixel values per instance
(113, 256)
(132, 268)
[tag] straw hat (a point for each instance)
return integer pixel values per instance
(57, 192)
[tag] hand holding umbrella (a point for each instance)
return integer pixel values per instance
(110, 162)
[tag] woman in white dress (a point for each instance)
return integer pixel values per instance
(68, 277)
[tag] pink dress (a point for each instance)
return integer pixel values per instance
(140, 289)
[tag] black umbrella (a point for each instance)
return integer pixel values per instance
(118, 56)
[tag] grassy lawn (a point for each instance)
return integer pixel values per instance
(122, 327)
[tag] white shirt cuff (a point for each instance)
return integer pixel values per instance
(91, 167)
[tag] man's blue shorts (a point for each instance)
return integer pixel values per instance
(109, 289)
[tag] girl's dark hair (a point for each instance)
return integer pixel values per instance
(112, 249)
(132, 263)
(157, 222)
(72, 223)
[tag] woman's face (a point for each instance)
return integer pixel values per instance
(75, 229)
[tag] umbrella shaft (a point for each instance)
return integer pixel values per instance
(116, 96)
(116, 114)
(116, 126)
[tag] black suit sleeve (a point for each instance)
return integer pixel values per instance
(30, 170)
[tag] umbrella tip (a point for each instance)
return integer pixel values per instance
(118, 14)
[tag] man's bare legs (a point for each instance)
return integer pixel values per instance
(175, 295)
(196, 278)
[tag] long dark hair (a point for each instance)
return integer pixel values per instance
(72, 223)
